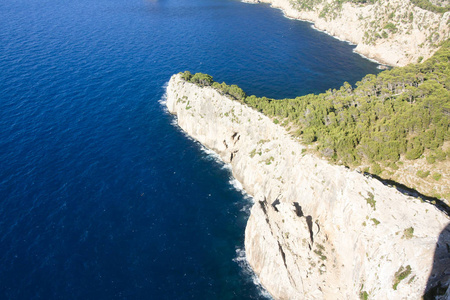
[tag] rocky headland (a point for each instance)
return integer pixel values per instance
(393, 32)
(316, 231)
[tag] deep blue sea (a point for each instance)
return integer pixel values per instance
(101, 195)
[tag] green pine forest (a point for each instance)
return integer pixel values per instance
(402, 112)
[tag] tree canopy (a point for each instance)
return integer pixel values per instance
(402, 111)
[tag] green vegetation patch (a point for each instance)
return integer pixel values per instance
(391, 27)
(371, 200)
(319, 251)
(436, 176)
(401, 274)
(427, 5)
(363, 295)
(269, 160)
(422, 174)
(376, 169)
(408, 233)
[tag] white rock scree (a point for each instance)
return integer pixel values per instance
(316, 231)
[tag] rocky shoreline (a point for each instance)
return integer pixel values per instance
(394, 33)
(316, 231)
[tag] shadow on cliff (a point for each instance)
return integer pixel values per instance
(439, 280)
(439, 204)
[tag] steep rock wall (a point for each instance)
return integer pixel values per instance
(316, 231)
(416, 32)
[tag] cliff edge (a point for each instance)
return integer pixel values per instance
(394, 32)
(316, 231)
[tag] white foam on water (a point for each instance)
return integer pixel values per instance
(371, 59)
(210, 154)
(247, 271)
(237, 185)
(163, 101)
(291, 18)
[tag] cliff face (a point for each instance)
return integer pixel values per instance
(394, 32)
(316, 231)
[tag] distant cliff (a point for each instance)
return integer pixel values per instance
(316, 231)
(395, 32)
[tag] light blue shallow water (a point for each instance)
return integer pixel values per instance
(101, 196)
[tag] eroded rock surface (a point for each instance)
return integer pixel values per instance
(316, 231)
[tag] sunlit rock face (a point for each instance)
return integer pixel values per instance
(316, 231)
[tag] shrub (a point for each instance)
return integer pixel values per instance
(371, 200)
(391, 27)
(202, 79)
(363, 295)
(186, 75)
(414, 153)
(440, 155)
(376, 169)
(431, 159)
(436, 176)
(401, 274)
(308, 136)
(422, 174)
(408, 233)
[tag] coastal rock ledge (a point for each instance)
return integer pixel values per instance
(316, 231)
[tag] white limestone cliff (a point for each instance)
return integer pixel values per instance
(316, 231)
(415, 35)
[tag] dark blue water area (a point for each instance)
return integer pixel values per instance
(101, 195)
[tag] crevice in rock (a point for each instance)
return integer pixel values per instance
(234, 136)
(298, 210)
(283, 256)
(275, 203)
(233, 154)
(225, 143)
(309, 223)
(264, 208)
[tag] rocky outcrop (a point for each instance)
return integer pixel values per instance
(394, 32)
(316, 231)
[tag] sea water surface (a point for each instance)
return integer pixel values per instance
(101, 195)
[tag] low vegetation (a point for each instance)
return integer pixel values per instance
(371, 200)
(401, 274)
(408, 233)
(363, 295)
(427, 5)
(403, 112)
(319, 252)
